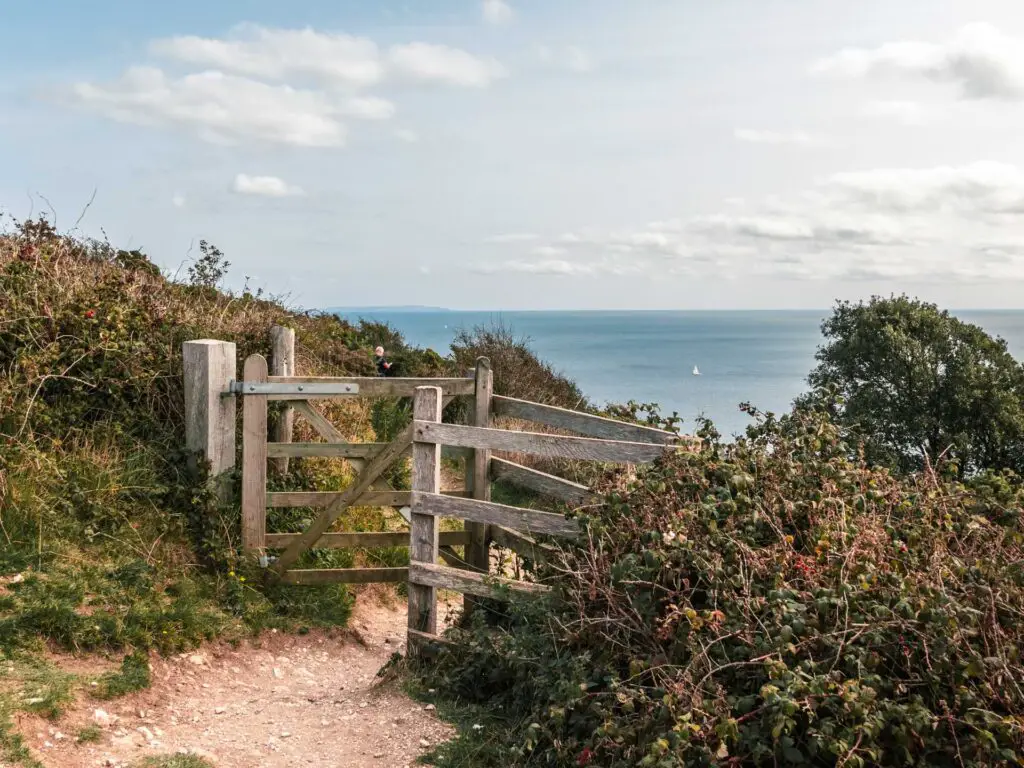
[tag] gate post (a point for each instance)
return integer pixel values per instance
(209, 367)
(423, 535)
(282, 361)
(254, 458)
(478, 480)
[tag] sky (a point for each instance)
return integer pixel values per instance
(533, 154)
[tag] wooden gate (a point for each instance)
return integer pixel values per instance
(258, 389)
(606, 441)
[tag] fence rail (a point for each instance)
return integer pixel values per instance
(582, 423)
(537, 444)
(513, 527)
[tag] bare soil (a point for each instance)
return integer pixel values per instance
(282, 700)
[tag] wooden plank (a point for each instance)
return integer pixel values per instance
(325, 450)
(362, 483)
(208, 367)
(375, 386)
(423, 538)
(585, 448)
(524, 546)
(316, 499)
(425, 639)
(442, 577)
(345, 450)
(282, 362)
(365, 540)
(254, 458)
(517, 518)
(319, 422)
(582, 423)
(478, 476)
(316, 576)
(543, 483)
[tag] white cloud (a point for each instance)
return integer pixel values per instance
(367, 108)
(982, 187)
(219, 107)
(578, 60)
(772, 137)
(548, 251)
(178, 201)
(905, 112)
(572, 58)
(942, 224)
(406, 135)
(496, 12)
(511, 237)
(980, 60)
(427, 62)
(264, 186)
(561, 267)
(277, 54)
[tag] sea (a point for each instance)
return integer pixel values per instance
(760, 357)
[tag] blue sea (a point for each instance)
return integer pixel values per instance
(760, 357)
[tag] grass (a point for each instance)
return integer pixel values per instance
(175, 761)
(89, 734)
(133, 676)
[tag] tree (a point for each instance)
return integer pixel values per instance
(911, 382)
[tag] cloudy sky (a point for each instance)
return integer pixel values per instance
(531, 153)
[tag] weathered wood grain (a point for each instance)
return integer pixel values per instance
(478, 476)
(423, 534)
(582, 423)
(282, 363)
(365, 540)
(314, 576)
(254, 458)
(442, 577)
(326, 450)
(543, 483)
(317, 499)
(584, 448)
(208, 368)
(517, 518)
(362, 483)
(374, 386)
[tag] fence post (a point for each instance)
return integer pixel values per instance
(209, 366)
(478, 550)
(423, 538)
(282, 360)
(254, 458)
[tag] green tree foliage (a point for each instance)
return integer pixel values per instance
(776, 601)
(912, 384)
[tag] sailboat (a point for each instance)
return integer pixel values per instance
(696, 371)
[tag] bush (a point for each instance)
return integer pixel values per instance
(518, 372)
(771, 602)
(915, 385)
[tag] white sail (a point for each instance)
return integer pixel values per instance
(696, 372)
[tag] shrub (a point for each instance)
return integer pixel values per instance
(770, 602)
(915, 384)
(518, 372)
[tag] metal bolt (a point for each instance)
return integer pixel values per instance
(252, 387)
(300, 387)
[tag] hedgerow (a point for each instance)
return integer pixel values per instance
(775, 601)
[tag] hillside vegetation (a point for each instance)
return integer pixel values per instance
(107, 542)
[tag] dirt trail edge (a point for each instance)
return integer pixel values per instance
(284, 700)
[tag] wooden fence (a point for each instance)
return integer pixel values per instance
(606, 441)
(211, 391)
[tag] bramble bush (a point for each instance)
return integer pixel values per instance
(768, 602)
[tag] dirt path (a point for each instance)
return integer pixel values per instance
(312, 700)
